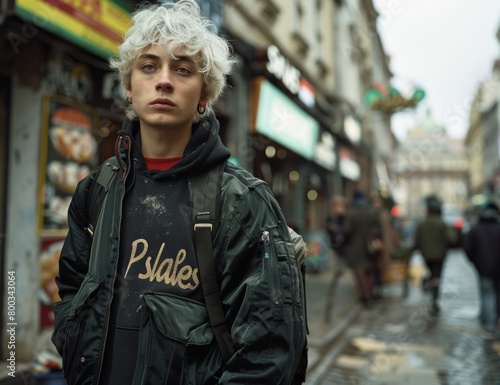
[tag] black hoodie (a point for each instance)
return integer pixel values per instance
(261, 286)
(156, 248)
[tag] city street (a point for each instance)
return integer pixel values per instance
(398, 342)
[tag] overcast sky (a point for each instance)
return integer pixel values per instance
(447, 47)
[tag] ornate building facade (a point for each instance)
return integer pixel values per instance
(428, 162)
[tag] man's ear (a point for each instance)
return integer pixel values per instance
(204, 98)
(203, 101)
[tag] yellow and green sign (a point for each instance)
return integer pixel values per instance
(388, 99)
(97, 25)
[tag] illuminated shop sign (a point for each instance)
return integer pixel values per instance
(325, 151)
(97, 25)
(280, 119)
(352, 129)
(279, 66)
(348, 167)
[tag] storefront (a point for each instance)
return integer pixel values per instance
(349, 167)
(349, 170)
(296, 156)
(63, 108)
(290, 148)
(287, 142)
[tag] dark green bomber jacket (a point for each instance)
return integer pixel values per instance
(262, 297)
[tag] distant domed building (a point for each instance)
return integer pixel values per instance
(428, 162)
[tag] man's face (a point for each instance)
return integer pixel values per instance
(165, 92)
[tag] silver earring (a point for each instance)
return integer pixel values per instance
(201, 110)
(129, 99)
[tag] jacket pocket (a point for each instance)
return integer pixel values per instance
(172, 329)
(270, 273)
(280, 270)
(69, 336)
(289, 271)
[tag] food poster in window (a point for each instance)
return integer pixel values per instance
(68, 153)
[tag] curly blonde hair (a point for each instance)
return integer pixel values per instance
(179, 26)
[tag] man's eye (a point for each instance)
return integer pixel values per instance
(148, 67)
(183, 70)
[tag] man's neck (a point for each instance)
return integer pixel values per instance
(164, 143)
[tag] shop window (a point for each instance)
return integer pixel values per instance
(315, 202)
(107, 133)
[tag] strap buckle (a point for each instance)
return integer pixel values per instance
(203, 221)
(203, 225)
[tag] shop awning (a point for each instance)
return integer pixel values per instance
(96, 25)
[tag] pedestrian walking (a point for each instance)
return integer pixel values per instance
(334, 226)
(134, 307)
(482, 246)
(361, 226)
(433, 238)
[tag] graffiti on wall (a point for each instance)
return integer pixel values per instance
(67, 77)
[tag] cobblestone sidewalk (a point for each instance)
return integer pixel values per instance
(399, 342)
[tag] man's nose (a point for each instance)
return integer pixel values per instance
(165, 80)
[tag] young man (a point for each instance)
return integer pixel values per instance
(133, 309)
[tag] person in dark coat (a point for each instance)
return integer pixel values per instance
(335, 225)
(390, 243)
(433, 238)
(361, 221)
(482, 246)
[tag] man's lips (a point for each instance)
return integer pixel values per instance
(162, 103)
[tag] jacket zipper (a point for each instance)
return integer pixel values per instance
(108, 310)
(270, 263)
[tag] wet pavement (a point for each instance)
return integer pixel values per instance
(399, 342)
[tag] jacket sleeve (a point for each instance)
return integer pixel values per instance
(263, 292)
(73, 261)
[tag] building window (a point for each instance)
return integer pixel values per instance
(269, 11)
(297, 13)
(300, 45)
(322, 68)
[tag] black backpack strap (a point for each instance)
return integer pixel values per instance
(98, 191)
(205, 192)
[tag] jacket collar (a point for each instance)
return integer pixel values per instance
(203, 151)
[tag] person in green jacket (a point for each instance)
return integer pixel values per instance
(433, 239)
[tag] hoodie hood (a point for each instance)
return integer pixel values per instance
(203, 151)
(433, 204)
